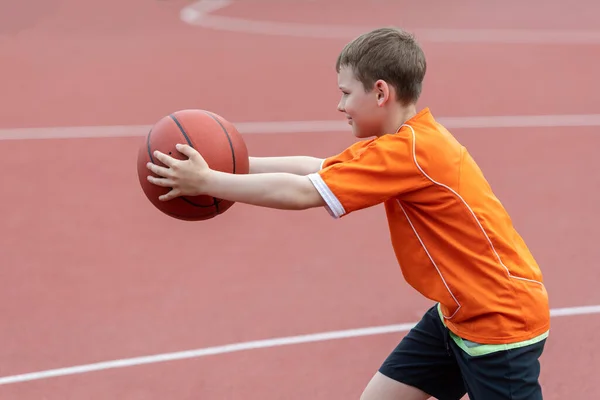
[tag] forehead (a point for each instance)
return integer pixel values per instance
(346, 77)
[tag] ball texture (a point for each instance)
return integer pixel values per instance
(215, 138)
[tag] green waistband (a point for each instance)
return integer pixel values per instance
(477, 349)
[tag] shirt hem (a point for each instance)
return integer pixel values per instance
(512, 339)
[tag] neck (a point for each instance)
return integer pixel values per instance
(400, 116)
(404, 114)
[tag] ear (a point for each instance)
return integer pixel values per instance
(383, 92)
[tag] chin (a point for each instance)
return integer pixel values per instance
(360, 134)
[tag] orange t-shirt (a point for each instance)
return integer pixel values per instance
(453, 239)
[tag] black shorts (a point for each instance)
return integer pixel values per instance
(429, 359)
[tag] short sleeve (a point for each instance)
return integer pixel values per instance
(368, 175)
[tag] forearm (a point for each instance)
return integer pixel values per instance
(274, 190)
(297, 165)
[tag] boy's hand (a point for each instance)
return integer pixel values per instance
(184, 177)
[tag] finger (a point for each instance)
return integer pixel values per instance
(170, 196)
(161, 181)
(158, 170)
(165, 159)
(187, 150)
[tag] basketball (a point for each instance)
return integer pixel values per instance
(215, 138)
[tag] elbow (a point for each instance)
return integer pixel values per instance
(309, 198)
(297, 202)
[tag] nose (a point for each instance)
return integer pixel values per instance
(340, 106)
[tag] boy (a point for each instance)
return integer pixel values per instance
(453, 239)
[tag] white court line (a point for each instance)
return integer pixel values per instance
(253, 345)
(198, 14)
(286, 127)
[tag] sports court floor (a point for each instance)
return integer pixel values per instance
(103, 297)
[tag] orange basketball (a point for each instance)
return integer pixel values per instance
(215, 138)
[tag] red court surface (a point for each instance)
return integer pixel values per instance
(90, 272)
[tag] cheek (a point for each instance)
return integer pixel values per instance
(352, 106)
(359, 108)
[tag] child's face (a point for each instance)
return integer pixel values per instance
(362, 108)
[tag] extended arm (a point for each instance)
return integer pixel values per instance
(297, 165)
(274, 190)
(372, 172)
(193, 177)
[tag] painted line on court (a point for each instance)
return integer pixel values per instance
(198, 14)
(288, 127)
(253, 345)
